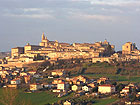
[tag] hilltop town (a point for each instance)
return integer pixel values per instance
(73, 74)
(53, 50)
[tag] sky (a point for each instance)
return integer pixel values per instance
(83, 21)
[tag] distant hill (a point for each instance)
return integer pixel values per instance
(4, 54)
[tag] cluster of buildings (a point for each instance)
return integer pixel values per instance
(129, 53)
(53, 50)
(80, 85)
(15, 77)
(60, 84)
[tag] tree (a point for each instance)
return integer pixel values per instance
(119, 87)
(132, 97)
(9, 96)
(102, 82)
(114, 83)
(95, 89)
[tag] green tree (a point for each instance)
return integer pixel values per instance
(9, 96)
(119, 87)
(132, 97)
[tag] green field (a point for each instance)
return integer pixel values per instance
(117, 78)
(38, 98)
(43, 98)
(104, 101)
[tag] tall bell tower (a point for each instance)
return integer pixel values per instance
(43, 36)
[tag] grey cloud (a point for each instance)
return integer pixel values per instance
(68, 20)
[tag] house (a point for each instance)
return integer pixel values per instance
(23, 74)
(14, 73)
(58, 72)
(132, 85)
(56, 81)
(35, 86)
(4, 80)
(74, 80)
(106, 88)
(125, 91)
(12, 86)
(75, 88)
(128, 103)
(4, 72)
(32, 72)
(79, 82)
(80, 79)
(138, 94)
(62, 86)
(86, 88)
(3, 76)
(15, 81)
(132, 103)
(102, 79)
(91, 85)
(68, 103)
(7, 68)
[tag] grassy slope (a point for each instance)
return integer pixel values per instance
(38, 98)
(104, 101)
(98, 70)
(116, 77)
(43, 98)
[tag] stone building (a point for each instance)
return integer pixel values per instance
(46, 43)
(128, 47)
(15, 52)
(106, 88)
(29, 47)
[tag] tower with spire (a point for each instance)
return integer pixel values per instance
(44, 41)
(43, 36)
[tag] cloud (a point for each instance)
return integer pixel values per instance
(115, 2)
(99, 17)
(40, 10)
(112, 10)
(35, 13)
(137, 9)
(35, 16)
(111, 2)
